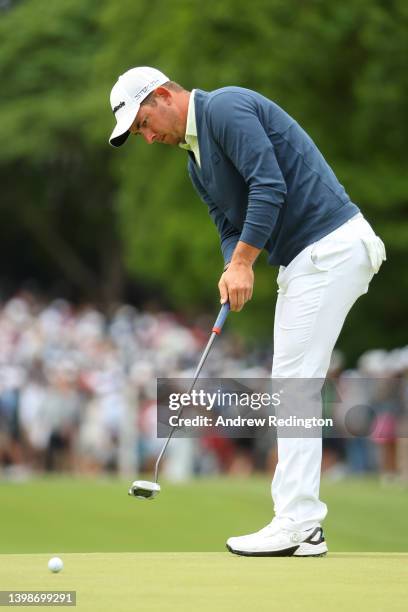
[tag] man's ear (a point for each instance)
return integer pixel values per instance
(163, 93)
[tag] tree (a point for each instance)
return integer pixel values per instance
(57, 192)
(338, 68)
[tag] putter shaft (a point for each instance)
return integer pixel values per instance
(216, 330)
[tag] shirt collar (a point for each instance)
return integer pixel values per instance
(191, 126)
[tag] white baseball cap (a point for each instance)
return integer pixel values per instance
(129, 91)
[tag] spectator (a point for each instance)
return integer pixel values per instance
(78, 393)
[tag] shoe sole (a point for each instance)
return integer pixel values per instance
(311, 550)
(302, 550)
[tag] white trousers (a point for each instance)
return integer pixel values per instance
(316, 291)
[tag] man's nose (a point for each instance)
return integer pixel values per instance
(148, 135)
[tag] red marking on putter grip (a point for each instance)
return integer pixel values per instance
(216, 330)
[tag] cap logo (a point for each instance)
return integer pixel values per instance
(118, 106)
(146, 89)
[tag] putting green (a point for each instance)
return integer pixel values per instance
(217, 581)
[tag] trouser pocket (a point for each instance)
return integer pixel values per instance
(329, 253)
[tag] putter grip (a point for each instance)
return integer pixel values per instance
(222, 316)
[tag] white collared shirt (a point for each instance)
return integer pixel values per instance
(191, 139)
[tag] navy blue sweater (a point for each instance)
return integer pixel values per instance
(264, 180)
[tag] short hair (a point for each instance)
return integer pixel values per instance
(172, 85)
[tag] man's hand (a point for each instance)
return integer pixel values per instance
(236, 285)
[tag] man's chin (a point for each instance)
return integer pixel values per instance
(171, 140)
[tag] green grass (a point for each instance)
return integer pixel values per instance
(121, 554)
(217, 582)
(68, 515)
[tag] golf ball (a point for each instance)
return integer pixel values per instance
(55, 564)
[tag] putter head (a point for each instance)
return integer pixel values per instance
(143, 489)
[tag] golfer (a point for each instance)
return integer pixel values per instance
(267, 186)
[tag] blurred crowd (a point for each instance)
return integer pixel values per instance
(78, 395)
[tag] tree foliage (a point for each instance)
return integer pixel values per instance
(338, 68)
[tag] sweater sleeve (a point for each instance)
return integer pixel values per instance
(235, 125)
(229, 235)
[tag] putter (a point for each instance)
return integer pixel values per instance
(144, 489)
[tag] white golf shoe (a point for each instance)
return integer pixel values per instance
(272, 541)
